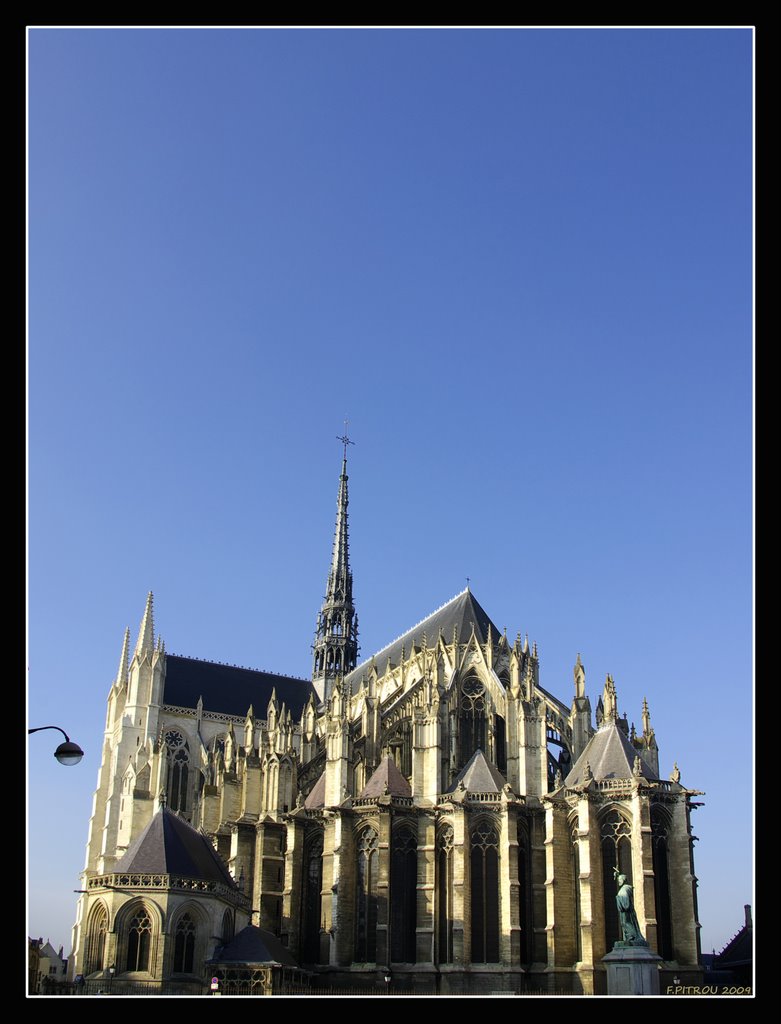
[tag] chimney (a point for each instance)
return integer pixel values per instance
(747, 910)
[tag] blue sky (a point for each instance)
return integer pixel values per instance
(520, 262)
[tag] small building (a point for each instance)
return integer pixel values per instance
(47, 966)
(735, 963)
(255, 963)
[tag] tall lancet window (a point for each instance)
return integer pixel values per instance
(96, 941)
(615, 834)
(525, 893)
(312, 882)
(178, 760)
(472, 721)
(366, 898)
(184, 945)
(445, 896)
(403, 895)
(484, 865)
(660, 834)
(139, 940)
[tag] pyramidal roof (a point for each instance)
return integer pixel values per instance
(479, 776)
(462, 612)
(386, 780)
(610, 755)
(316, 796)
(252, 945)
(171, 846)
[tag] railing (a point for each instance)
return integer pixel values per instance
(160, 881)
(397, 801)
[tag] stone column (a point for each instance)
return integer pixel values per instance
(592, 907)
(462, 917)
(426, 897)
(559, 887)
(509, 887)
(291, 896)
(338, 898)
(683, 884)
(643, 865)
(383, 881)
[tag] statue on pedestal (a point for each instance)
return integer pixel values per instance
(630, 929)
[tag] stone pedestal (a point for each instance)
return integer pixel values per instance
(632, 970)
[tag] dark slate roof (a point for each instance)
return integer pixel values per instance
(610, 755)
(740, 948)
(171, 846)
(386, 778)
(316, 796)
(254, 946)
(479, 776)
(462, 611)
(228, 689)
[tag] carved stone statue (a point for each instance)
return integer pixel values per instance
(630, 929)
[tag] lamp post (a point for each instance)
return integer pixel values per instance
(67, 753)
(111, 973)
(387, 982)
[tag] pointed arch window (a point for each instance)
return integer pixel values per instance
(184, 945)
(484, 865)
(227, 927)
(312, 883)
(660, 836)
(178, 759)
(366, 897)
(445, 896)
(525, 894)
(398, 746)
(615, 835)
(500, 744)
(96, 941)
(403, 895)
(472, 720)
(139, 941)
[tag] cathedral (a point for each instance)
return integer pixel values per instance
(431, 819)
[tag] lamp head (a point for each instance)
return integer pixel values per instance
(69, 753)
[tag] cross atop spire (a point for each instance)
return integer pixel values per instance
(345, 441)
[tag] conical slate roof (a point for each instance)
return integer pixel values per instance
(461, 612)
(479, 776)
(386, 780)
(610, 755)
(171, 846)
(254, 946)
(316, 796)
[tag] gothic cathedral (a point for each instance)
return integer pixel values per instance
(431, 815)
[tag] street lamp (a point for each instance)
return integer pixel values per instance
(387, 982)
(67, 753)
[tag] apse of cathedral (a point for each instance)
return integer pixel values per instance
(431, 814)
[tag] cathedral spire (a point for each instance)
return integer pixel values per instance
(122, 671)
(146, 633)
(336, 635)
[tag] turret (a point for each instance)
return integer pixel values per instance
(580, 715)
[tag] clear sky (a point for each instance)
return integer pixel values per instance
(520, 262)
